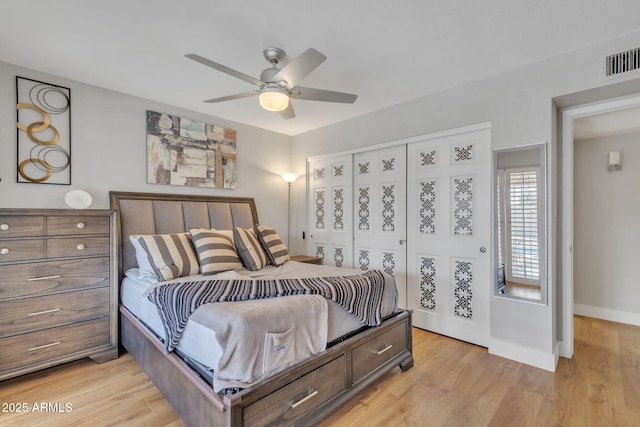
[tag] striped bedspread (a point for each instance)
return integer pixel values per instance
(360, 295)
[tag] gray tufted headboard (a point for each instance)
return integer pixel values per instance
(151, 213)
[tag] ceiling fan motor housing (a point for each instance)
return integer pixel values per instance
(268, 74)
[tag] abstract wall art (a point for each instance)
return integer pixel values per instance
(43, 132)
(187, 152)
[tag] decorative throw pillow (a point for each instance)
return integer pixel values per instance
(272, 244)
(249, 249)
(169, 255)
(215, 249)
(145, 269)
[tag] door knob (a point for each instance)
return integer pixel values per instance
(483, 249)
(402, 242)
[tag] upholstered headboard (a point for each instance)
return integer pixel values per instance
(150, 213)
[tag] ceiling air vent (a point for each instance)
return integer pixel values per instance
(623, 62)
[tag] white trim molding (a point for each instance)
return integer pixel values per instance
(526, 355)
(607, 314)
(568, 116)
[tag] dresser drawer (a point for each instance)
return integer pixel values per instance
(32, 279)
(378, 350)
(21, 226)
(29, 314)
(77, 246)
(293, 401)
(21, 250)
(47, 345)
(71, 225)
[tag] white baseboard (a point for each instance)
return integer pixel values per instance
(607, 314)
(528, 356)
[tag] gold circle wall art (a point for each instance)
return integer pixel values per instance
(43, 132)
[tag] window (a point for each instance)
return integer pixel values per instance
(520, 226)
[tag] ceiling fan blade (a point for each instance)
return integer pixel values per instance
(312, 94)
(224, 69)
(299, 68)
(288, 112)
(232, 97)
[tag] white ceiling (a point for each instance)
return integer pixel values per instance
(386, 52)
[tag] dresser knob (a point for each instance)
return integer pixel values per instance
(80, 225)
(4, 251)
(80, 246)
(4, 227)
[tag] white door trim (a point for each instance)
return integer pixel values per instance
(568, 115)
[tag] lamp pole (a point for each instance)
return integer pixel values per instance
(289, 178)
(289, 217)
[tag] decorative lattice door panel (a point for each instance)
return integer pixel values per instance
(379, 185)
(330, 218)
(449, 223)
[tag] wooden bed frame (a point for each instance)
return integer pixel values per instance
(300, 395)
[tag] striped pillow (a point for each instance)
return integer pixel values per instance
(249, 249)
(272, 245)
(170, 255)
(215, 250)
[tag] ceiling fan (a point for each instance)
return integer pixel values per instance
(277, 85)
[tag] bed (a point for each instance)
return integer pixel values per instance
(300, 392)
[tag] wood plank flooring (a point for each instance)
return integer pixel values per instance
(452, 384)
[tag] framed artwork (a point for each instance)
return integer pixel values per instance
(43, 132)
(187, 152)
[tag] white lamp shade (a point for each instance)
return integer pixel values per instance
(289, 177)
(273, 100)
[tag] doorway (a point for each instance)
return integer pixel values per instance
(569, 118)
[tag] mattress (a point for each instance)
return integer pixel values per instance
(199, 342)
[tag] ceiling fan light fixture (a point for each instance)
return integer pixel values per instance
(273, 99)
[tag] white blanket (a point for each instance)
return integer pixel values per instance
(257, 342)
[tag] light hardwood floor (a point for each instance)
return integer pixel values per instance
(452, 384)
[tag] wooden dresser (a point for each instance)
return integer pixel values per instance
(58, 288)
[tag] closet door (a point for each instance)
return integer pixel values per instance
(380, 213)
(449, 218)
(330, 216)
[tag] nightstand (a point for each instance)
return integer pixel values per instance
(58, 293)
(306, 258)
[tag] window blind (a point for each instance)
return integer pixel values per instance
(523, 206)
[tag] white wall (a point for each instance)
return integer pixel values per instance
(606, 229)
(520, 106)
(108, 151)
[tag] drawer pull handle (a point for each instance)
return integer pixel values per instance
(4, 227)
(35, 279)
(379, 352)
(304, 399)
(45, 346)
(80, 225)
(53, 310)
(4, 251)
(80, 246)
